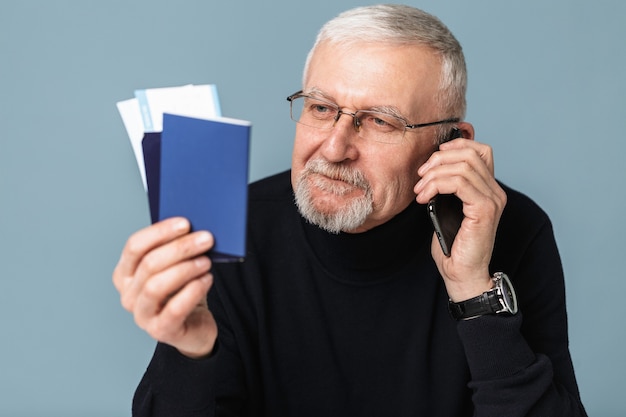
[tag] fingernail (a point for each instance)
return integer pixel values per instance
(180, 225)
(202, 238)
(202, 262)
(207, 279)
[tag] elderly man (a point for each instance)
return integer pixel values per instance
(346, 304)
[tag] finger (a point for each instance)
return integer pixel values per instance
(170, 324)
(483, 199)
(484, 152)
(478, 159)
(161, 287)
(148, 300)
(465, 162)
(177, 250)
(470, 156)
(455, 178)
(164, 258)
(159, 259)
(167, 255)
(142, 242)
(459, 179)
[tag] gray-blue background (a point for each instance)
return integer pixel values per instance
(546, 89)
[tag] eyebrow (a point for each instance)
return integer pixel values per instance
(314, 91)
(390, 110)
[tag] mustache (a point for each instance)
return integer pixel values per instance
(336, 171)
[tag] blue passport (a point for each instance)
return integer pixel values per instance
(151, 148)
(204, 177)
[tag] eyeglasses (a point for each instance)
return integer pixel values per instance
(370, 125)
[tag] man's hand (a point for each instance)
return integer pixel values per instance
(162, 277)
(465, 168)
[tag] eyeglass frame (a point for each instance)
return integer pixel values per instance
(357, 126)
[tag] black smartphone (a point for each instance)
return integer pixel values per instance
(446, 212)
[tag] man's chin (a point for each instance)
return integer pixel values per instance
(333, 213)
(328, 208)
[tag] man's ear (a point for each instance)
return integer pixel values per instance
(467, 130)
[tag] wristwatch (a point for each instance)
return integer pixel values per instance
(500, 299)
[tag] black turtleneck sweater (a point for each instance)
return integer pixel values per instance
(318, 324)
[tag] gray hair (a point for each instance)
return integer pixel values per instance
(403, 25)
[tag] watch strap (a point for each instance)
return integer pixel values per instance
(489, 302)
(474, 307)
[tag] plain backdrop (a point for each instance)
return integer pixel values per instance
(546, 89)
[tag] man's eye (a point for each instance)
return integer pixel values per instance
(320, 108)
(380, 122)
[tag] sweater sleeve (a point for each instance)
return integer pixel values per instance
(520, 365)
(175, 385)
(508, 378)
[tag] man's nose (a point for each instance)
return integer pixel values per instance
(340, 144)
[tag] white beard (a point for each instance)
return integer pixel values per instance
(346, 218)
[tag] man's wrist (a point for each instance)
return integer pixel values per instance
(459, 292)
(499, 299)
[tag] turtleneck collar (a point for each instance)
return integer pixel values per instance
(376, 254)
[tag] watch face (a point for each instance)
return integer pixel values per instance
(508, 294)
